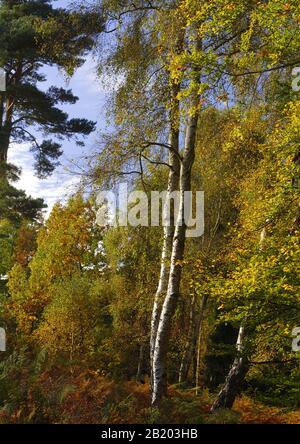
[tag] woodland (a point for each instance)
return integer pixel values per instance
(140, 324)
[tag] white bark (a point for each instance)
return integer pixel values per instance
(161, 320)
(240, 366)
(235, 377)
(168, 308)
(173, 185)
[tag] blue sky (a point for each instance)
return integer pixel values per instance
(91, 105)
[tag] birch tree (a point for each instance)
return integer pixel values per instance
(257, 286)
(178, 246)
(212, 65)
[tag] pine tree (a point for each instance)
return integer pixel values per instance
(34, 34)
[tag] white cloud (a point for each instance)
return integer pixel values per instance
(91, 105)
(58, 187)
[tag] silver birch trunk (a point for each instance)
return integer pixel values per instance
(235, 377)
(173, 185)
(163, 330)
(240, 366)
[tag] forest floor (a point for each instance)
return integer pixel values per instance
(87, 397)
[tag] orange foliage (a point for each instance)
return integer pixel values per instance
(255, 413)
(86, 397)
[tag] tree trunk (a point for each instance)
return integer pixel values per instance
(139, 372)
(188, 348)
(5, 132)
(199, 340)
(191, 343)
(240, 365)
(173, 184)
(6, 115)
(163, 330)
(235, 377)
